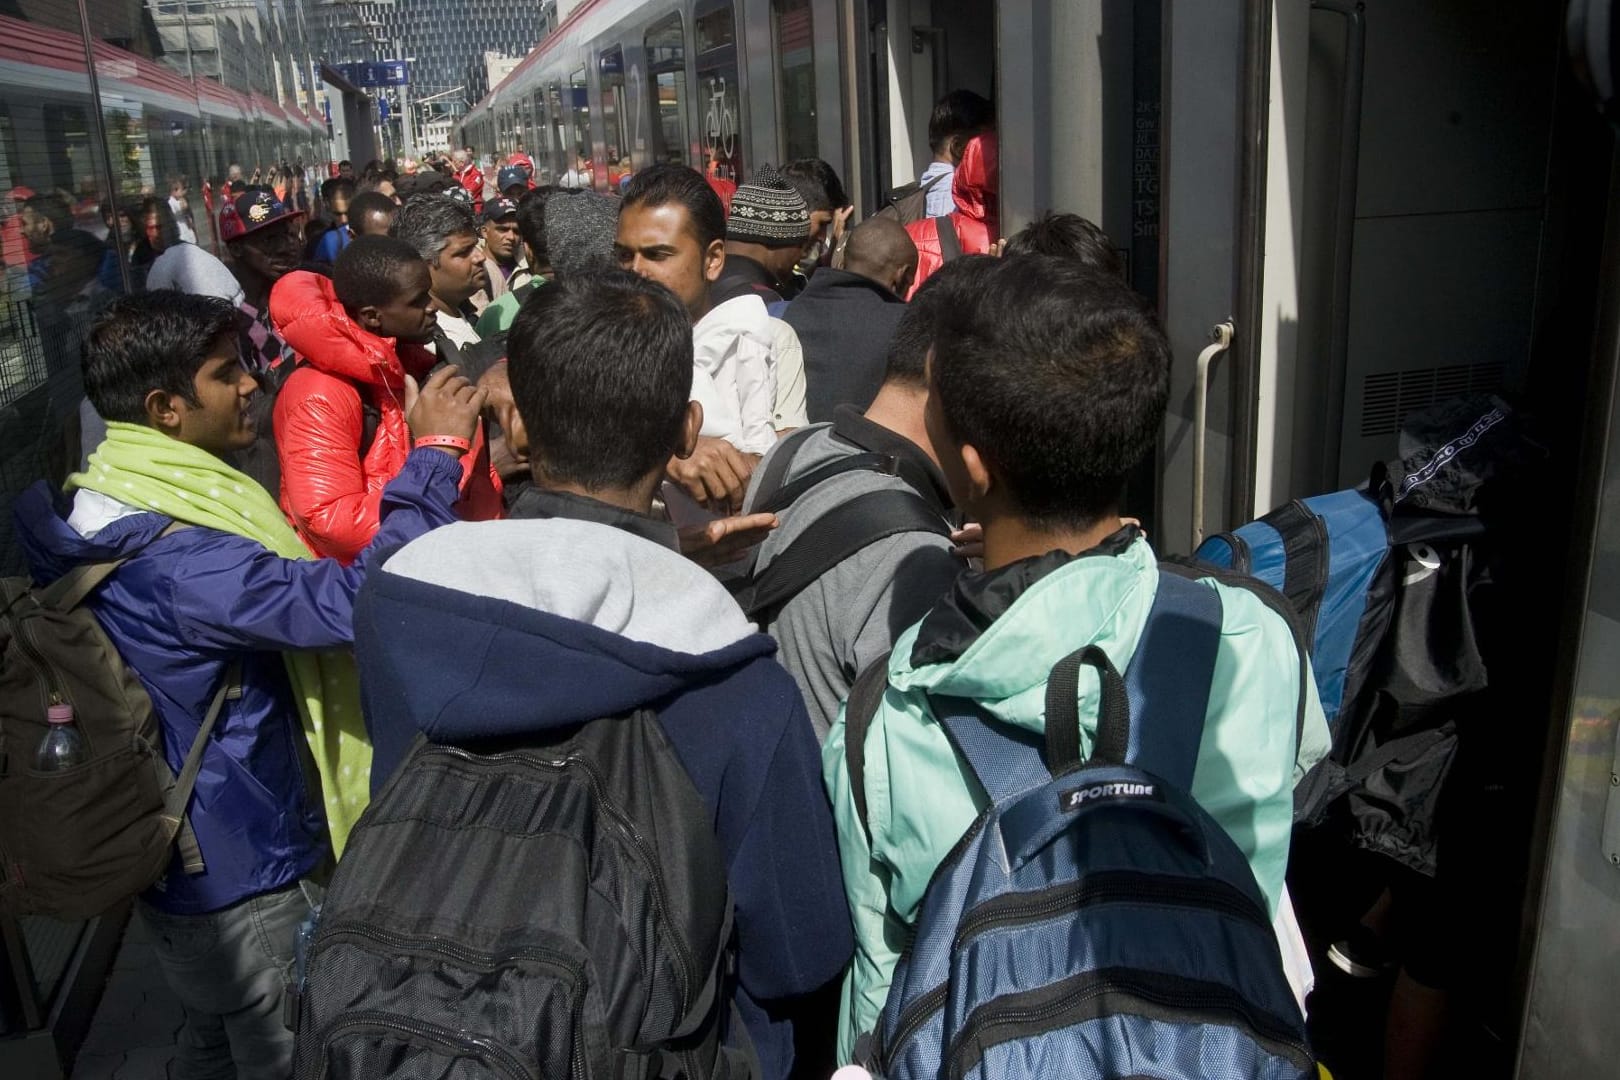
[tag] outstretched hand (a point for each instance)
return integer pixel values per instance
(718, 542)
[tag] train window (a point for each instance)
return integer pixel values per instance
(579, 143)
(558, 150)
(615, 114)
(666, 79)
(719, 101)
(793, 36)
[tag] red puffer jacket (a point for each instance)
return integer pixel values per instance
(332, 495)
(977, 217)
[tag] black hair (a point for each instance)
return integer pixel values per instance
(955, 282)
(665, 183)
(1068, 236)
(49, 204)
(337, 185)
(370, 202)
(959, 113)
(156, 340)
(347, 162)
(168, 227)
(1059, 376)
(532, 219)
(367, 272)
(590, 339)
(427, 224)
(817, 182)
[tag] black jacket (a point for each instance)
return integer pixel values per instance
(845, 323)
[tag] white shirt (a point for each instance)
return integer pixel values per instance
(457, 329)
(733, 375)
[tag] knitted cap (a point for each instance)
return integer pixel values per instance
(580, 228)
(767, 210)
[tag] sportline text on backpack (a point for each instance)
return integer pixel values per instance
(1075, 798)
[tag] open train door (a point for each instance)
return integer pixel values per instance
(1149, 119)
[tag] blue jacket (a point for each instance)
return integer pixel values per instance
(505, 628)
(179, 612)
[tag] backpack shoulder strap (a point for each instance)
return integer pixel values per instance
(1273, 600)
(370, 421)
(787, 494)
(1305, 558)
(68, 591)
(950, 244)
(834, 537)
(1168, 679)
(864, 698)
(174, 808)
(781, 458)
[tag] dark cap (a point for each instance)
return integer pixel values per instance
(460, 194)
(252, 211)
(512, 176)
(499, 207)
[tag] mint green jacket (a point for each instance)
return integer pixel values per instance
(920, 799)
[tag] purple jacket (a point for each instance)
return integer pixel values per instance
(179, 612)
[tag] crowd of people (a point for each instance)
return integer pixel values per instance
(478, 461)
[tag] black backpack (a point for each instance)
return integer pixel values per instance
(554, 908)
(909, 202)
(837, 534)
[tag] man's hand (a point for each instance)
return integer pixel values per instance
(715, 476)
(721, 541)
(969, 541)
(447, 405)
(509, 450)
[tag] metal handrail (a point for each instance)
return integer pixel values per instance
(1220, 340)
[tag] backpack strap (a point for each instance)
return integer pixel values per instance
(1305, 559)
(781, 458)
(174, 808)
(950, 244)
(788, 494)
(68, 591)
(864, 698)
(1273, 600)
(834, 537)
(1169, 678)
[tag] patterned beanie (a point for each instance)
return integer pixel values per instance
(767, 210)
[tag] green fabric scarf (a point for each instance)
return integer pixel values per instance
(143, 467)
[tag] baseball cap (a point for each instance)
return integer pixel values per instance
(512, 176)
(497, 208)
(251, 211)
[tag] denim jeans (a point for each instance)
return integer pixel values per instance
(230, 970)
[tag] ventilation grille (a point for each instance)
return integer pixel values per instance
(1390, 397)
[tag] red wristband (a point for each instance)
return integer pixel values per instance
(454, 442)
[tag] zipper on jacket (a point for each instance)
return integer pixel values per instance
(624, 826)
(461, 1042)
(1033, 1012)
(1112, 886)
(471, 959)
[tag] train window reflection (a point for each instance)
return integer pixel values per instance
(666, 79)
(616, 116)
(719, 102)
(579, 146)
(793, 36)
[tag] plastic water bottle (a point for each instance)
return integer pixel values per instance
(63, 746)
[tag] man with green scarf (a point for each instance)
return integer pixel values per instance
(234, 591)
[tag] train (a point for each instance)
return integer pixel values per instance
(1346, 212)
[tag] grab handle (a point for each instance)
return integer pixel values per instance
(1220, 340)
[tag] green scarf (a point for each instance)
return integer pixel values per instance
(142, 467)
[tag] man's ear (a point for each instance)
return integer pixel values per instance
(977, 472)
(691, 425)
(161, 411)
(714, 261)
(369, 317)
(902, 280)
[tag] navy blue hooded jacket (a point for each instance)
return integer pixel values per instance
(179, 611)
(505, 628)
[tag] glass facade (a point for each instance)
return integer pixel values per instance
(107, 123)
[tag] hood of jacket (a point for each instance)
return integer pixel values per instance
(974, 185)
(53, 547)
(479, 617)
(306, 313)
(991, 637)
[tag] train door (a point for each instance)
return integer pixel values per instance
(919, 50)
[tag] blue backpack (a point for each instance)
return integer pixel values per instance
(1095, 921)
(1329, 557)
